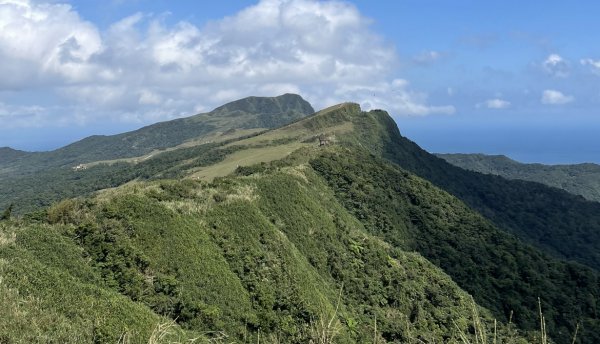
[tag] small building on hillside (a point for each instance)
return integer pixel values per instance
(79, 167)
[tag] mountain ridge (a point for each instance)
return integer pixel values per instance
(245, 113)
(288, 221)
(8, 154)
(579, 179)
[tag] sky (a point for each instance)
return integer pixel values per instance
(520, 78)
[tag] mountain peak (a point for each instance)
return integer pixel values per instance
(283, 104)
(8, 154)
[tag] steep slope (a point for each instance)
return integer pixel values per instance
(247, 113)
(562, 224)
(377, 132)
(502, 273)
(271, 256)
(579, 179)
(50, 294)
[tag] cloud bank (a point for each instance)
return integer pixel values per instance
(553, 97)
(141, 69)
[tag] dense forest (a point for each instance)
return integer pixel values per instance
(559, 223)
(502, 273)
(271, 254)
(578, 179)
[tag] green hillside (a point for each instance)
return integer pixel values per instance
(270, 255)
(564, 225)
(8, 155)
(247, 113)
(274, 235)
(578, 179)
(502, 273)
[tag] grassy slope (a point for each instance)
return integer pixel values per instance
(269, 253)
(288, 208)
(579, 179)
(30, 191)
(203, 160)
(50, 294)
(247, 113)
(500, 287)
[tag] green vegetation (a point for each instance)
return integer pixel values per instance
(8, 155)
(501, 273)
(32, 192)
(272, 254)
(49, 293)
(559, 223)
(302, 243)
(579, 179)
(251, 112)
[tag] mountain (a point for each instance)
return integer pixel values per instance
(578, 179)
(271, 255)
(8, 155)
(247, 113)
(562, 224)
(315, 231)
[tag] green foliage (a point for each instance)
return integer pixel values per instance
(9, 155)
(251, 112)
(273, 256)
(579, 179)
(50, 294)
(503, 274)
(326, 243)
(7, 212)
(32, 192)
(553, 220)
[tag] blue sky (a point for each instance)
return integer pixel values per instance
(501, 77)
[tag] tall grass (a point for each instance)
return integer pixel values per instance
(482, 336)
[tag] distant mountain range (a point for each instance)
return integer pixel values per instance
(247, 113)
(331, 227)
(578, 179)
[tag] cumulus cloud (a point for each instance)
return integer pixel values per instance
(556, 66)
(44, 44)
(495, 103)
(553, 97)
(142, 69)
(594, 65)
(395, 95)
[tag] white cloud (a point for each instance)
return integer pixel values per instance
(553, 97)
(396, 97)
(556, 66)
(44, 43)
(495, 103)
(143, 69)
(594, 65)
